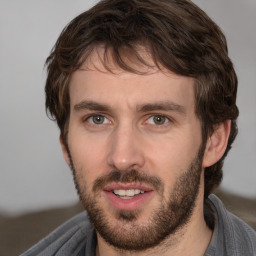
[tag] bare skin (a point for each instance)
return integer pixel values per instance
(147, 123)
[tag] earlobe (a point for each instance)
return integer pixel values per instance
(216, 144)
(64, 150)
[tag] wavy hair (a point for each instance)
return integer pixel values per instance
(179, 37)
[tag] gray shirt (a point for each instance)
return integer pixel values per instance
(77, 237)
(231, 236)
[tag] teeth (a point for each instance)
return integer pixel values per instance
(128, 192)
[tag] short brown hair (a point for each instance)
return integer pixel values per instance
(179, 37)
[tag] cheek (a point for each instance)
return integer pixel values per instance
(87, 156)
(171, 157)
(171, 154)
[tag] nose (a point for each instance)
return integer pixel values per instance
(126, 149)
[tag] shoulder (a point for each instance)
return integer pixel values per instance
(234, 234)
(68, 239)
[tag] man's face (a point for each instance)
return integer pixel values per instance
(134, 145)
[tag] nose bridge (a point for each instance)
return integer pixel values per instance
(125, 148)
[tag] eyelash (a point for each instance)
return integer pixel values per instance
(167, 120)
(86, 119)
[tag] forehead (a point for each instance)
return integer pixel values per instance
(100, 78)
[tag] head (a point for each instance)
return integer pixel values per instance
(178, 36)
(141, 38)
(132, 61)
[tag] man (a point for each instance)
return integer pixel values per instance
(144, 94)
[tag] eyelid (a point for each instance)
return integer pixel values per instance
(168, 119)
(109, 121)
(91, 115)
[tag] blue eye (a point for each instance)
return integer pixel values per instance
(98, 119)
(158, 120)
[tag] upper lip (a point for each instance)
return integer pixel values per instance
(125, 186)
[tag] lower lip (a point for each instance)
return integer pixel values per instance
(128, 204)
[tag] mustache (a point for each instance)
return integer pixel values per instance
(128, 176)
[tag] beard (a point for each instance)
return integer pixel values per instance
(126, 231)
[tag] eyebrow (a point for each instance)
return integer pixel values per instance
(164, 106)
(157, 106)
(91, 105)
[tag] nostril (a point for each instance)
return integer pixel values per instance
(125, 161)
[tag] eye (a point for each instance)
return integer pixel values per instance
(98, 119)
(158, 120)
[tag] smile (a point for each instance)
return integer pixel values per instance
(127, 194)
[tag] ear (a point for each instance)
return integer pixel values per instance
(216, 144)
(64, 150)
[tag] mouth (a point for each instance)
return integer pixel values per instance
(127, 196)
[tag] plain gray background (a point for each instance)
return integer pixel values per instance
(33, 174)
